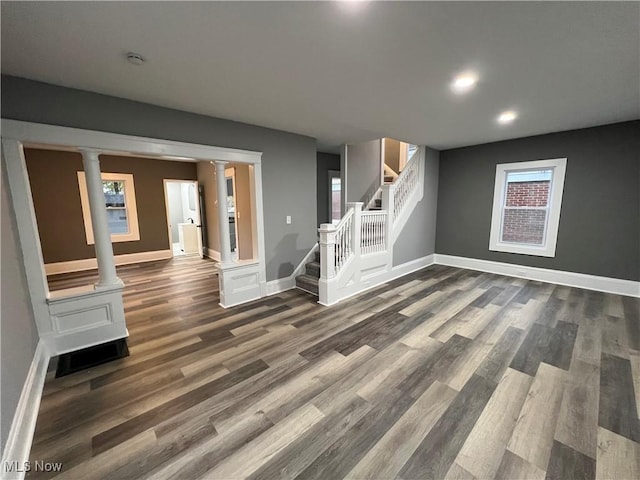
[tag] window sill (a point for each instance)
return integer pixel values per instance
(523, 249)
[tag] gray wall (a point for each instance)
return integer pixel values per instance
(418, 237)
(599, 232)
(363, 167)
(324, 163)
(18, 333)
(288, 172)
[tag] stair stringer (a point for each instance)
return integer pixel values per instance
(354, 276)
(306, 259)
(417, 195)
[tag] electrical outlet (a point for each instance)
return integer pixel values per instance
(288, 219)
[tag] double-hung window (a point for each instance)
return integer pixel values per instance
(120, 202)
(527, 200)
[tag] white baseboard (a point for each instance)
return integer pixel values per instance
(280, 285)
(384, 277)
(580, 280)
(23, 426)
(92, 263)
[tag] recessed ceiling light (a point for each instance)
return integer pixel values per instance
(464, 82)
(507, 117)
(135, 58)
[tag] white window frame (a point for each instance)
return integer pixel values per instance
(548, 249)
(129, 203)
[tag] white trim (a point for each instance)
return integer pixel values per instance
(280, 285)
(212, 254)
(559, 166)
(91, 263)
(13, 155)
(129, 205)
(239, 282)
(387, 276)
(23, 425)
(579, 280)
(42, 135)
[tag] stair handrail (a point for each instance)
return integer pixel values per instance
(405, 184)
(336, 245)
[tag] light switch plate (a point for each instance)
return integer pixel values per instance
(288, 219)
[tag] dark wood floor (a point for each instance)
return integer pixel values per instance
(445, 373)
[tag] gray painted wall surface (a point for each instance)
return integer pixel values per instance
(363, 169)
(599, 232)
(18, 333)
(418, 237)
(325, 162)
(288, 160)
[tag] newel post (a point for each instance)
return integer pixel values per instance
(327, 251)
(388, 202)
(356, 240)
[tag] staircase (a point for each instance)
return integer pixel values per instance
(308, 281)
(357, 253)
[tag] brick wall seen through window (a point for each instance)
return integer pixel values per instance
(525, 210)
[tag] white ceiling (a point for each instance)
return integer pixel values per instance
(345, 72)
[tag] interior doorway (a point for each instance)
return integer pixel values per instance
(335, 192)
(184, 221)
(230, 176)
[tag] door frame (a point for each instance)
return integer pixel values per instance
(333, 174)
(198, 220)
(230, 173)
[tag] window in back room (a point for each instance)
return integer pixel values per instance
(526, 207)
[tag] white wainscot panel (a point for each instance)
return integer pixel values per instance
(85, 317)
(239, 283)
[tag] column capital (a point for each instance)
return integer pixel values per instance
(90, 154)
(220, 162)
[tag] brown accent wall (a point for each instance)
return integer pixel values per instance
(392, 154)
(243, 210)
(207, 179)
(56, 197)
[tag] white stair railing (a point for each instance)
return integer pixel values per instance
(373, 232)
(336, 245)
(360, 247)
(405, 184)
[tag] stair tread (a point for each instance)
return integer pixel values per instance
(308, 283)
(308, 278)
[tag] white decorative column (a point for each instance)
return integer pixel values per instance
(107, 276)
(357, 227)
(327, 246)
(223, 215)
(327, 251)
(388, 202)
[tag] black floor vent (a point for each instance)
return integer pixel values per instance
(91, 357)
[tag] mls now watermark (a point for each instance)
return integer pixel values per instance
(37, 466)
